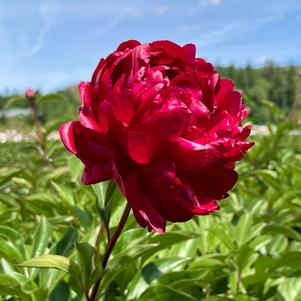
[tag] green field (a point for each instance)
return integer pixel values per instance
(249, 250)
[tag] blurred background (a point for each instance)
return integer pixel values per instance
(52, 45)
(248, 251)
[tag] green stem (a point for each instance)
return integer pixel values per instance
(97, 243)
(37, 124)
(110, 247)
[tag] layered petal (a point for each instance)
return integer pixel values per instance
(165, 121)
(143, 202)
(140, 147)
(176, 202)
(164, 126)
(86, 113)
(211, 183)
(90, 148)
(192, 156)
(228, 100)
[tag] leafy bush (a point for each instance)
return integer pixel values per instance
(249, 250)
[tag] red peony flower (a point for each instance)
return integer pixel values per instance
(164, 126)
(30, 93)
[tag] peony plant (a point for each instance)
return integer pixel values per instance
(164, 126)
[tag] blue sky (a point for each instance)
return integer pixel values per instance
(50, 44)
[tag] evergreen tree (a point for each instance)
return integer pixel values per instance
(250, 74)
(291, 86)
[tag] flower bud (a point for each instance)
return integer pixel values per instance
(30, 93)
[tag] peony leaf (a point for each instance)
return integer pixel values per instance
(85, 256)
(66, 243)
(151, 272)
(9, 233)
(75, 167)
(164, 292)
(9, 251)
(41, 238)
(48, 261)
(167, 240)
(60, 292)
(64, 192)
(281, 229)
(290, 289)
(16, 101)
(51, 97)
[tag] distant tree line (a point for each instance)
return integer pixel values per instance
(270, 83)
(280, 85)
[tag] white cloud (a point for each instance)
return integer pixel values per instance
(93, 9)
(113, 8)
(261, 59)
(233, 29)
(187, 28)
(48, 19)
(160, 10)
(209, 2)
(129, 11)
(217, 35)
(107, 27)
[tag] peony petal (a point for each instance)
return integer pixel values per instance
(189, 155)
(211, 183)
(98, 71)
(168, 53)
(84, 90)
(165, 122)
(244, 134)
(104, 116)
(146, 95)
(95, 173)
(130, 44)
(206, 207)
(176, 201)
(199, 110)
(129, 63)
(87, 120)
(86, 114)
(190, 51)
(67, 135)
(142, 203)
(220, 123)
(238, 151)
(140, 147)
(122, 104)
(90, 148)
(227, 99)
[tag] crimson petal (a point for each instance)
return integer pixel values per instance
(142, 203)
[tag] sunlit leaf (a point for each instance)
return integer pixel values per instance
(48, 261)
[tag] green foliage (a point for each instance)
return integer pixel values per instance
(279, 85)
(54, 231)
(53, 109)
